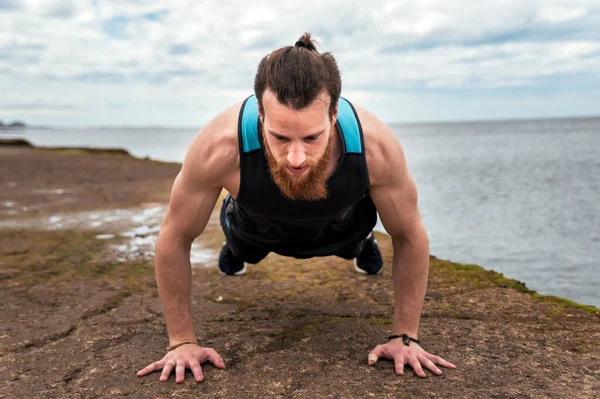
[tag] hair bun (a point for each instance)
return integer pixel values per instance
(307, 42)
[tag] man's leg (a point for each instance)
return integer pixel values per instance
(235, 254)
(366, 256)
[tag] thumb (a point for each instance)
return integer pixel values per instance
(220, 363)
(374, 355)
(216, 359)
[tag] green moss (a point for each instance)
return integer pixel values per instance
(468, 276)
(565, 304)
(136, 274)
(15, 142)
(501, 281)
(381, 321)
(88, 151)
(61, 257)
(473, 276)
(294, 279)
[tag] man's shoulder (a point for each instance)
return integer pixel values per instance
(215, 147)
(377, 135)
(223, 128)
(382, 147)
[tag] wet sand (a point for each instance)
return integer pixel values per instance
(81, 313)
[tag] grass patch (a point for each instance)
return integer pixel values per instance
(566, 303)
(61, 257)
(15, 142)
(449, 274)
(138, 275)
(88, 151)
(471, 276)
(381, 321)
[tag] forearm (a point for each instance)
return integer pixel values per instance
(410, 270)
(173, 278)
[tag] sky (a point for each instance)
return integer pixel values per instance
(180, 62)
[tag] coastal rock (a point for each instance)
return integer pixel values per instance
(17, 125)
(13, 125)
(78, 323)
(15, 143)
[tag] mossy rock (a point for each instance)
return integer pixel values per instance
(15, 143)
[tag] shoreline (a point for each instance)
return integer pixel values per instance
(66, 150)
(524, 119)
(83, 151)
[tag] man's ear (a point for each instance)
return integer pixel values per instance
(261, 115)
(334, 115)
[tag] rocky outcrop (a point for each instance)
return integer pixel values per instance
(15, 142)
(13, 125)
(76, 323)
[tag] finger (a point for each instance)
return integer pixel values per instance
(375, 355)
(166, 371)
(429, 364)
(440, 361)
(414, 363)
(180, 372)
(196, 370)
(372, 359)
(215, 358)
(150, 368)
(399, 365)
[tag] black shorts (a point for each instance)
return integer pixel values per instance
(254, 254)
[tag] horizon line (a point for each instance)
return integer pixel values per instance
(417, 122)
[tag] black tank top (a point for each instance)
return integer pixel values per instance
(262, 216)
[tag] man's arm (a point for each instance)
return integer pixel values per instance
(395, 197)
(210, 161)
(394, 194)
(190, 208)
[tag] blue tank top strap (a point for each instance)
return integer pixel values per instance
(350, 127)
(249, 125)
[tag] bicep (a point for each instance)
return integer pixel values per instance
(195, 190)
(209, 160)
(397, 206)
(394, 191)
(190, 207)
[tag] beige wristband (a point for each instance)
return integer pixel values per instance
(170, 348)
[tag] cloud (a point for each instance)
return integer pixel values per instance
(559, 14)
(7, 5)
(180, 49)
(95, 53)
(155, 15)
(483, 24)
(48, 8)
(116, 27)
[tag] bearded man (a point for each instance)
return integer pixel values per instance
(306, 172)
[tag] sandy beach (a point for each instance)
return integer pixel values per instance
(81, 313)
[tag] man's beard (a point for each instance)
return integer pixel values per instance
(308, 186)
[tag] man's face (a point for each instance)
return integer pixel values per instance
(298, 145)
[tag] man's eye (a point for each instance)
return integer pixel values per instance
(310, 138)
(281, 138)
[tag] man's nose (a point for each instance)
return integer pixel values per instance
(296, 156)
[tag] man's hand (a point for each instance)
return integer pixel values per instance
(187, 356)
(413, 355)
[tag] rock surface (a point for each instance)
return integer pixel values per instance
(77, 324)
